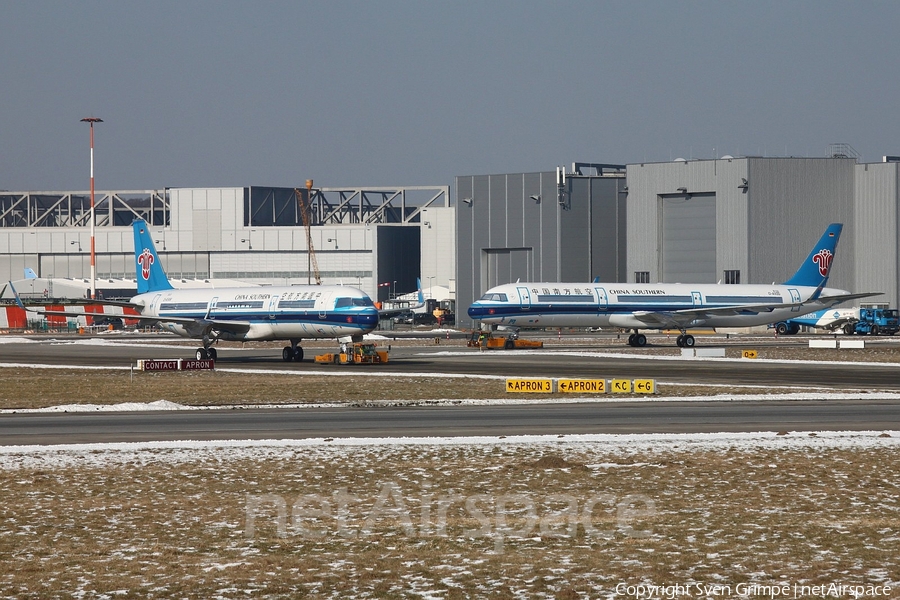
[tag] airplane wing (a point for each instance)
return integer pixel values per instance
(191, 324)
(196, 327)
(694, 317)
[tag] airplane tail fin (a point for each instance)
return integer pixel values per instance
(12, 288)
(814, 271)
(149, 272)
(420, 297)
(30, 274)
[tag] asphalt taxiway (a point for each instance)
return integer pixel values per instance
(856, 411)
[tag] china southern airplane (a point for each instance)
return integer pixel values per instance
(666, 305)
(244, 314)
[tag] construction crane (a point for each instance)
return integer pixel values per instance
(312, 265)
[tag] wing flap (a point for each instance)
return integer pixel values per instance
(236, 327)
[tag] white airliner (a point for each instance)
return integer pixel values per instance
(666, 305)
(243, 314)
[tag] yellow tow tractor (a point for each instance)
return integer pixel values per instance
(489, 340)
(357, 353)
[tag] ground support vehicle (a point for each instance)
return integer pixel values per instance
(480, 339)
(875, 321)
(355, 354)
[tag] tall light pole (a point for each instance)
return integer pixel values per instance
(91, 121)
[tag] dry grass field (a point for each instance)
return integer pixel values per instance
(28, 388)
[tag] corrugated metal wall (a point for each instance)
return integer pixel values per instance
(876, 226)
(791, 201)
(768, 213)
(516, 228)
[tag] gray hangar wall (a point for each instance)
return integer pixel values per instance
(521, 227)
(702, 221)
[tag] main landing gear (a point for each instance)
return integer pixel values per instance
(207, 351)
(637, 340)
(293, 352)
(685, 340)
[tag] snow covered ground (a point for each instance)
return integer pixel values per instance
(442, 517)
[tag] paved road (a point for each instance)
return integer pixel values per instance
(607, 417)
(619, 417)
(456, 359)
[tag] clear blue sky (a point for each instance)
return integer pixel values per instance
(231, 93)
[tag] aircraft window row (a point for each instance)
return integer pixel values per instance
(233, 305)
(654, 299)
(495, 297)
(744, 299)
(297, 304)
(182, 306)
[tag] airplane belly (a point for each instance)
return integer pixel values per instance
(626, 321)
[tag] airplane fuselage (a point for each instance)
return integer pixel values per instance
(617, 304)
(263, 313)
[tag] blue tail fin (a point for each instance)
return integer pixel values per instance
(30, 274)
(149, 272)
(815, 269)
(420, 297)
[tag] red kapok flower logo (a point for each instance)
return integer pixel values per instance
(145, 259)
(823, 258)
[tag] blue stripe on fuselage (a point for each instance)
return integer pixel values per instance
(361, 319)
(660, 304)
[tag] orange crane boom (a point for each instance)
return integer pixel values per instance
(313, 264)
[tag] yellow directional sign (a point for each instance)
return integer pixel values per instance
(620, 386)
(582, 386)
(544, 386)
(644, 386)
(749, 354)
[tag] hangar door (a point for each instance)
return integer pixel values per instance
(688, 239)
(505, 265)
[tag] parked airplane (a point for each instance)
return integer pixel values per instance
(666, 305)
(244, 314)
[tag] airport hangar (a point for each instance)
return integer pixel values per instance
(221, 236)
(733, 219)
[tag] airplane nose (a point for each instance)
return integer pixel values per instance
(368, 316)
(476, 311)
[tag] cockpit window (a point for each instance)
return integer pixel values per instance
(494, 297)
(347, 302)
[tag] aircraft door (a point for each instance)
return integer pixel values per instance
(154, 305)
(795, 297)
(524, 298)
(602, 300)
(696, 299)
(324, 302)
(212, 306)
(273, 305)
